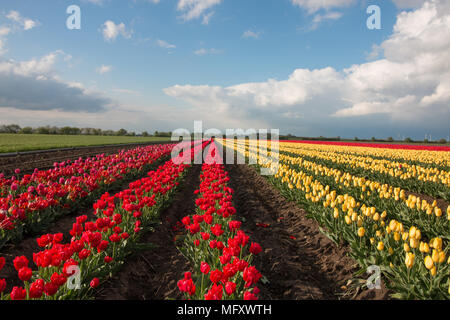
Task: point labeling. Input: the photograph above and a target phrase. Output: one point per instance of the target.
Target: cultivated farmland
(137, 223)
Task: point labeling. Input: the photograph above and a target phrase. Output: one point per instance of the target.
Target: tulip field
(380, 202)
(140, 223)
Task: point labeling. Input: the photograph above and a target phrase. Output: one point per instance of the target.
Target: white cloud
(111, 31)
(42, 89)
(203, 51)
(250, 34)
(328, 16)
(26, 23)
(313, 6)
(194, 9)
(410, 83)
(103, 69)
(165, 44)
(4, 31)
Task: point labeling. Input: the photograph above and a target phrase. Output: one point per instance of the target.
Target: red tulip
(255, 248)
(205, 268)
(2, 263)
(25, 274)
(230, 288)
(2, 285)
(18, 293)
(94, 283)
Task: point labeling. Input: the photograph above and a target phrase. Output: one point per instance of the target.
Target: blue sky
(304, 68)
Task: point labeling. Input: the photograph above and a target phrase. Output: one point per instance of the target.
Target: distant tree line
(14, 128)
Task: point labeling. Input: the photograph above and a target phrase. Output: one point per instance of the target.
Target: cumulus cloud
(194, 9)
(409, 84)
(111, 31)
(25, 23)
(33, 85)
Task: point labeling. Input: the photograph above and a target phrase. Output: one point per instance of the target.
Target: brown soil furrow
(297, 259)
(153, 274)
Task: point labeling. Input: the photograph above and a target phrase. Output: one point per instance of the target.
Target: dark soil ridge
(153, 274)
(298, 260)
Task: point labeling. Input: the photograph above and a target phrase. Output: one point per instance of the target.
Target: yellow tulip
(435, 256)
(433, 271)
(380, 246)
(412, 232)
(397, 236)
(437, 243)
(437, 211)
(417, 235)
(428, 262)
(413, 243)
(348, 220)
(409, 260)
(376, 216)
(361, 232)
(441, 257)
(406, 247)
(336, 213)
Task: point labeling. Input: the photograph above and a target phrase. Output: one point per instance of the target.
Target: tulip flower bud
(361, 232)
(441, 257)
(428, 262)
(435, 256)
(380, 246)
(409, 260)
(406, 247)
(433, 271)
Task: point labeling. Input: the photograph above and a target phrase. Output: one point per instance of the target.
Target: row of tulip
(385, 147)
(416, 267)
(427, 156)
(28, 204)
(98, 247)
(411, 210)
(220, 252)
(430, 180)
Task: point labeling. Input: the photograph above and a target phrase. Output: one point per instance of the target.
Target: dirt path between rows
(298, 260)
(153, 274)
